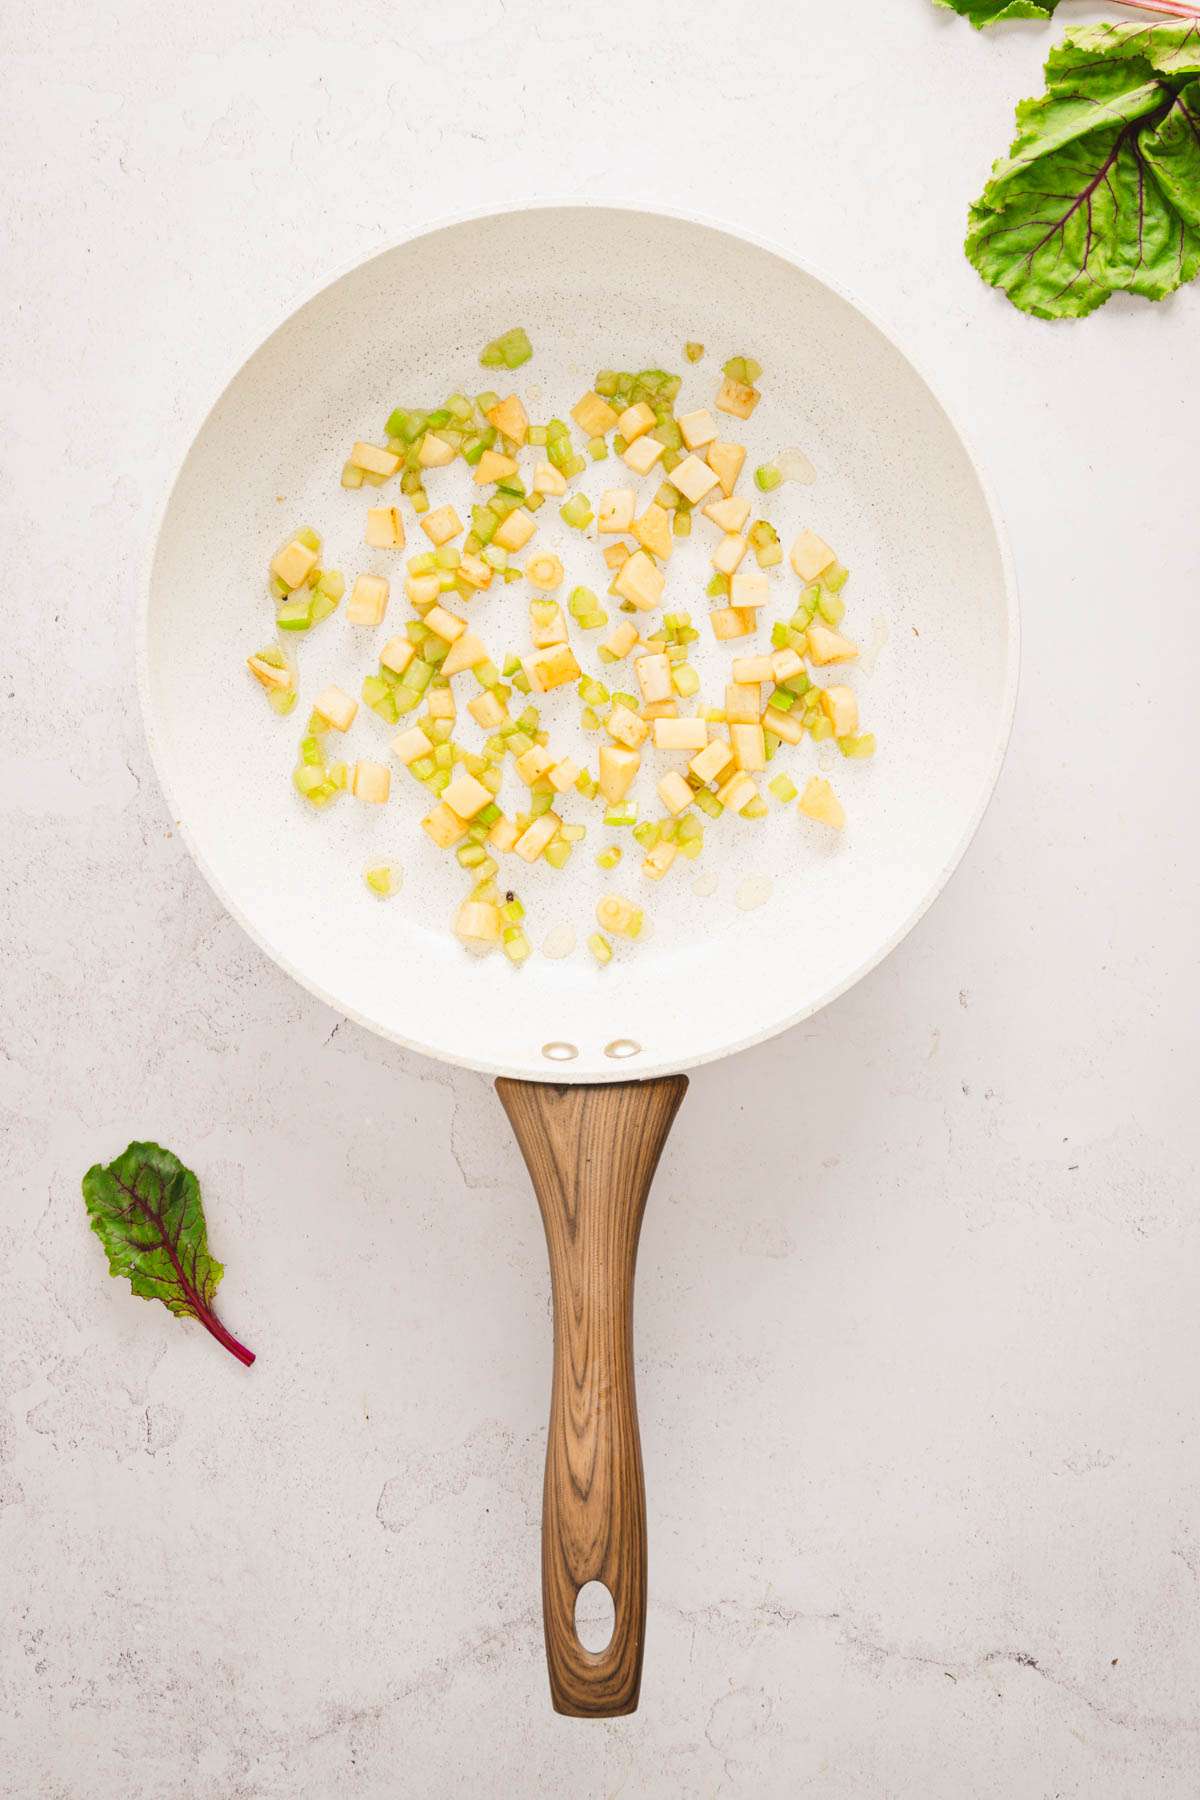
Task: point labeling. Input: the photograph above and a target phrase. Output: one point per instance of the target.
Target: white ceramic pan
(931, 597)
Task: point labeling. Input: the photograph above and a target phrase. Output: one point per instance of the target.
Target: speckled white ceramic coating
(896, 493)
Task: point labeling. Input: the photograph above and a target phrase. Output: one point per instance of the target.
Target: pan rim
(564, 1074)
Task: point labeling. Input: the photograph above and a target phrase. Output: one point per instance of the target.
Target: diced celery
(718, 587)
(282, 700)
(783, 789)
(830, 607)
(755, 809)
(508, 351)
(513, 911)
(624, 814)
(767, 476)
(743, 369)
(537, 436)
(577, 512)
(541, 803)
(647, 833)
(597, 449)
(471, 855)
(685, 680)
(821, 728)
(557, 852)
(608, 859)
(708, 803)
(858, 747)
(693, 351)
(782, 700)
(295, 615)
(600, 948)
(606, 383)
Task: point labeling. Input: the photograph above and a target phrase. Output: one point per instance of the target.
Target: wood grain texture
(591, 1153)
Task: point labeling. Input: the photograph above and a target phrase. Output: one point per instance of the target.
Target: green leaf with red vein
(996, 12)
(1101, 189)
(147, 1212)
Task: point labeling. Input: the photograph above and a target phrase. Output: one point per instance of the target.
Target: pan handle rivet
(560, 1052)
(621, 1047)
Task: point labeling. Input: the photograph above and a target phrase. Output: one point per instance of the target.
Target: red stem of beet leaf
(201, 1310)
(1168, 9)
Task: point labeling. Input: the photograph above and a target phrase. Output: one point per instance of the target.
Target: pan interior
(896, 494)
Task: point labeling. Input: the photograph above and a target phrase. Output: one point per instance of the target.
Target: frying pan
(588, 1060)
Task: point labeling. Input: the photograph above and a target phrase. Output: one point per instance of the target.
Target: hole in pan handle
(591, 1153)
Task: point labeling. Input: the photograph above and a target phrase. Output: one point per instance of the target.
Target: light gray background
(918, 1330)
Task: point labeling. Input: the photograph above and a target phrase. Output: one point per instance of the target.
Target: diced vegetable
(371, 781)
(810, 556)
(819, 802)
(508, 351)
(693, 351)
(577, 512)
(737, 398)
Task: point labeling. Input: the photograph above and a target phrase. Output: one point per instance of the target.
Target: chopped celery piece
(606, 383)
(600, 948)
(836, 578)
(621, 815)
(541, 803)
(282, 700)
(471, 855)
(423, 767)
(692, 849)
(685, 681)
(608, 859)
(784, 790)
(857, 746)
(782, 700)
(508, 351)
(577, 512)
(708, 803)
(537, 436)
(295, 615)
(647, 834)
(767, 476)
(516, 945)
(587, 785)
(821, 728)
(718, 587)
(382, 879)
(693, 351)
(574, 834)
(743, 369)
(557, 852)
(513, 911)
(597, 449)
(590, 719)
(831, 609)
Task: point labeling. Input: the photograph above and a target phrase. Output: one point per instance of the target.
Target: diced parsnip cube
(725, 460)
(293, 564)
(675, 793)
(654, 677)
(616, 554)
(680, 734)
(618, 766)
(749, 669)
(466, 652)
(546, 480)
(516, 530)
(547, 626)
(466, 796)
(693, 478)
(787, 726)
(738, 791)
(659, 859)
(544, 571)
(374, 460)
(749, 751)
(492, 466)
(730, 514)
(743, 703)
(368, 600)
(551, 668)
(439, 703)
(421, 590)
(396, 655)
(640, 581)
(269, 675)
(411, 745)
(337, 707)
(615, 512)
(635, 421)
(819, 802)
(785, 664)
(732, 622)
(510, 417)
(533, 763)
(563, 775)
(444, 825)
(749, 588)
(435, 452)
(659, 709)
(474, 571)
(441, 525)
(736, 398)
(642, 454)
(626, 728)
(503, 834)
(536, 836)
(478, 922)
(840, 706)
(653, 531)
(698, 428)
(826, 646)
(594, 416)
(487, 709)
(621, 639)
(446, 624)
(712, 762)
(371, 781)
(621, 916)
(729, 553)
(810, 556)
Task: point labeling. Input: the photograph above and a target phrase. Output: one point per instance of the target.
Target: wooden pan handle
(592, 1153)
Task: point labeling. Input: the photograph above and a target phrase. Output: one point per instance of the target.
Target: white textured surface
(917, 1327)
